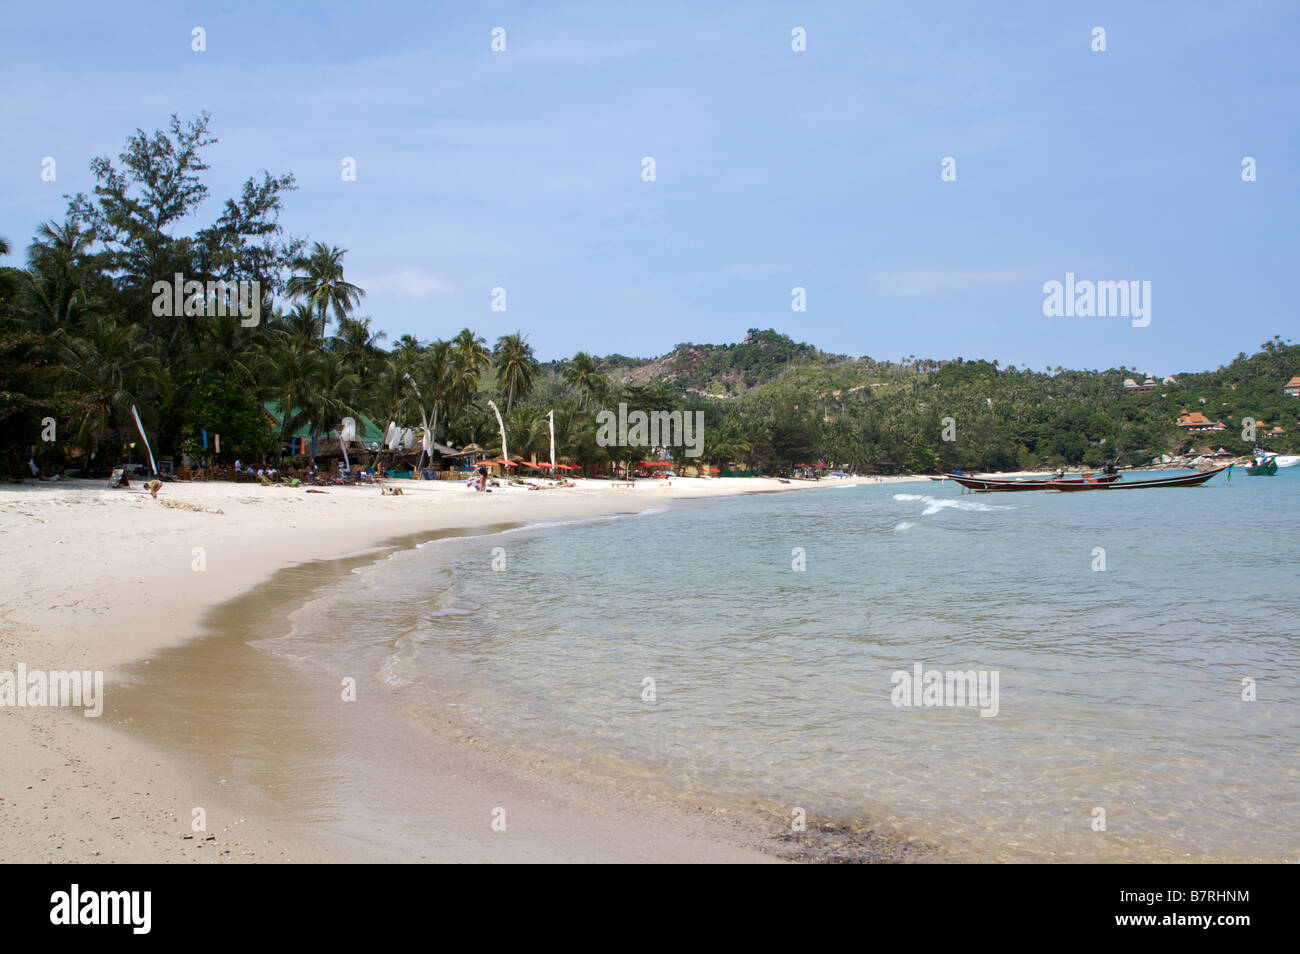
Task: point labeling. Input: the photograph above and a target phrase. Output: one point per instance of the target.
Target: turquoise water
(1117, 689)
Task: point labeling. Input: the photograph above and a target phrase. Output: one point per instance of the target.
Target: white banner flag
(153, 468)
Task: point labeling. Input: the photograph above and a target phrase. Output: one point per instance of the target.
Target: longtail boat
(999, 484)
(1181, 480)
(1265, 468)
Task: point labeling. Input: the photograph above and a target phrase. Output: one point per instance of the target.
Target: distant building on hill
(1195, 423)
(1292, 387)
(1132, 387)
(1262, 428)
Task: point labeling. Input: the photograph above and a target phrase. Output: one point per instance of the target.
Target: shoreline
(110, 790)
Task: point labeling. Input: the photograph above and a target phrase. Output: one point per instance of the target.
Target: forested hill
(881, 415)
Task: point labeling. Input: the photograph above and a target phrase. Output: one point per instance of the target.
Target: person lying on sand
(391, 491)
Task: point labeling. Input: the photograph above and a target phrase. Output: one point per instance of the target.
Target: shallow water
(1118, 689)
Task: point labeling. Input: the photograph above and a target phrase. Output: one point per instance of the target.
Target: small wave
(398, 669)
(903, 525)
(540, 525)
(548, 524)
(935, 504)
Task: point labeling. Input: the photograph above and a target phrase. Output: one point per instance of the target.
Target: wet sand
(281, 766)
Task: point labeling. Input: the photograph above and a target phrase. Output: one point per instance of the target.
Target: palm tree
(322, 286)
(394, 396)
(359, 345)
(470, 352)
(529, 432)
(104, 368)
(55, 276)
(227, 347)
(516, 366)
(330, 396)
(7, 279)
(299, 322)
(469, 358)
(583, 375)
(435, 379)
(294, 363)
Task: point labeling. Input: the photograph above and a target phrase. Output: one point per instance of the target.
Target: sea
(1094, 677)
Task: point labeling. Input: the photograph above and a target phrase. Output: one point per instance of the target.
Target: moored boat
(1179, 480)
(999, 484)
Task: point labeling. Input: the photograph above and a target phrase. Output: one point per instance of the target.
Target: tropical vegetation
(80, 346)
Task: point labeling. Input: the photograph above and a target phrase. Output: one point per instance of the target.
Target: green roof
(367, 431)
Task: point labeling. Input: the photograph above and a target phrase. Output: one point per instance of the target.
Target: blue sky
(775, 168)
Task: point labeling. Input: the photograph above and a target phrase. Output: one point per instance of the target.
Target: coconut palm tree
(470, 352)
(55, 275)
(469, 358)
(359, 347)
(8, 277)
(104, 367)
(583, 374)
(529, 432)
(293, 363)
(394, 397)
(298, 322)
(330, 396)
(226, 346)
(435, 379)
(516, 366)
(322, 286)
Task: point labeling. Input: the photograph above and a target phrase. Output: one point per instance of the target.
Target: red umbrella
(656, 463)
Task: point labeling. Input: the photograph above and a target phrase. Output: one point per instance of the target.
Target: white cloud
(406, 283)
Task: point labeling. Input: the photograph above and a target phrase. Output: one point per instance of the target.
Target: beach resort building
(397, 453)
(1196, 423)
(1132, 387)
(1292, 387)
(304, 441)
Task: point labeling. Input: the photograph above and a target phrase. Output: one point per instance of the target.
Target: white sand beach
(103, 579)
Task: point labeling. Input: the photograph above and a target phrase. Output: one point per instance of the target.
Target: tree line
(81, 344)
